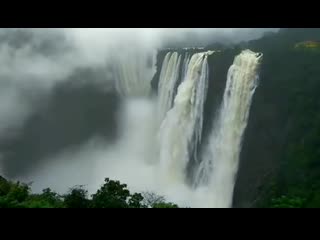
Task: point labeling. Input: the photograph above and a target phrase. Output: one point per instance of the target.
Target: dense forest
(112, 194)
(283, 138)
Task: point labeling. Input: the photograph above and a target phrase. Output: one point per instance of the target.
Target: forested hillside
(280, 163)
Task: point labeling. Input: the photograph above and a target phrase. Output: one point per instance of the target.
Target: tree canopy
(112, 194)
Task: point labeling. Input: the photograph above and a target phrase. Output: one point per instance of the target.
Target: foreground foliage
(112, 194)
(291, 82)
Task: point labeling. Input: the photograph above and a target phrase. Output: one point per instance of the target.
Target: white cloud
(87, 47)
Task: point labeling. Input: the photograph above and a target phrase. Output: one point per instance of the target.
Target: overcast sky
(51, 54)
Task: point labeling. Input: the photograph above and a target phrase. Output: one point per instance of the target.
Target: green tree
(77, 198)
(165, 205)
(112, 194)
(152, 200)
(136, 201)
(51, 197)
(288, 202)
(4, 186)
(14, 195)
(47, 199)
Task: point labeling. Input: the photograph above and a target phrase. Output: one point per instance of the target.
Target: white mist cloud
(128, 159)
(12, 108)
(96, 43)
(51, 55)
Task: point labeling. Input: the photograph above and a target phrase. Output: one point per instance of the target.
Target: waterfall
(131, 74)
(220, 162)
(167, 82)
(181, 128)
(185, 65)
(162, 139)
(163, 160)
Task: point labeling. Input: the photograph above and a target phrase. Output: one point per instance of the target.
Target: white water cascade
(219, 166)
(160, 163)
(168, 78)
(181, 129)
(132, 74)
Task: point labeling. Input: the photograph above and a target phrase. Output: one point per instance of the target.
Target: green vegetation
(112, 194)
(289, 99)
(287, 202)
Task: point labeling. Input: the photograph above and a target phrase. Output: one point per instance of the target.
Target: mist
(37, 63)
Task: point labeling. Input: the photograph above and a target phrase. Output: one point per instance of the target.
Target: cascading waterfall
(185, 65)
(220, 163)
(132, 74)
(182, 127)
(167, 81)
(161, 164)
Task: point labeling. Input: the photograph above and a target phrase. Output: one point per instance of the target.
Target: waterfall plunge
(181, 130)
(220, 162)
(182, 94)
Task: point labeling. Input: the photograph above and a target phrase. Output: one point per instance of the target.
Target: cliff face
(285, 101)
